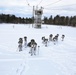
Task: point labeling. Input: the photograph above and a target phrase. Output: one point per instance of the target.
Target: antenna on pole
(37, 13)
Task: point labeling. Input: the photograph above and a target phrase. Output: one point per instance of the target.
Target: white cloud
(21, 7)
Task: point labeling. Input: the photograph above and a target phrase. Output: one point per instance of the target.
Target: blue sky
(23, 8)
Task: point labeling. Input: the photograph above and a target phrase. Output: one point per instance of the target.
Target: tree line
(61, 20)
(57, 20)
(7, 18)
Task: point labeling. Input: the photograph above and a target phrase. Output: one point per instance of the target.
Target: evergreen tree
(50, 20)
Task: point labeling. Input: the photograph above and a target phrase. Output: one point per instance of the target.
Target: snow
(59, 59)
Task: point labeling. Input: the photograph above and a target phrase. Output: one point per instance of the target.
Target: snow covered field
(59, 59)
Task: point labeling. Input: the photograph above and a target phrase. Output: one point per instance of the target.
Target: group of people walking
(32, 44)
(20, 43)
(52, 38)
